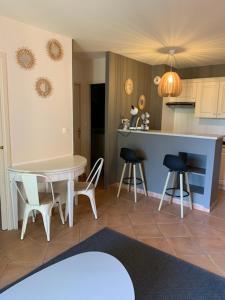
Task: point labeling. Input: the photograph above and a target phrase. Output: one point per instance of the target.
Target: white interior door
(5, 149)
(77, 118)
(2, 176)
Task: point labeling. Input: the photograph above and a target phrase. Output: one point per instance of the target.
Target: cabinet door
(188, 90)
(221, 102)
(184, 89)
(207, 99)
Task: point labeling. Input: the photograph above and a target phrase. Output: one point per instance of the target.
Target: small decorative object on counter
(125, 124)
(134, 117)
(145, 121)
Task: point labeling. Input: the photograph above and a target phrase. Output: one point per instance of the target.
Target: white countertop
(160, 132)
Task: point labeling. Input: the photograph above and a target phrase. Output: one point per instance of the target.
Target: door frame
(7, 222)
(74, 133)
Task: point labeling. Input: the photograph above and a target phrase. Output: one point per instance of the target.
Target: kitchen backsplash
(185, 121)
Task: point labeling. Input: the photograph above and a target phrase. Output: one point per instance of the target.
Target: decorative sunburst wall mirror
(55, 49)
(43, 87)
(141, 102)
(129, 86)
(25, 58)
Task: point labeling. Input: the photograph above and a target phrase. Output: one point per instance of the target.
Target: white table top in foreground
(52, 166)
(86, 276)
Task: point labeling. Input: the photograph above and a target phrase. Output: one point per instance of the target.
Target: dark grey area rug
(155, 274)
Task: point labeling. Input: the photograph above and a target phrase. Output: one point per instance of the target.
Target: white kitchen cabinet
(221, 100)
(222, 170)
(207, 99)
(189, 90)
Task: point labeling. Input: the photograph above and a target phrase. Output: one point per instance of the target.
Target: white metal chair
(87, 188)
(38, 201)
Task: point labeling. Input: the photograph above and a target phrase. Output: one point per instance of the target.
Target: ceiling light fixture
(170, 83)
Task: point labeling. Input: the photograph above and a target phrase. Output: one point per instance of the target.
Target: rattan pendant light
(170, 83)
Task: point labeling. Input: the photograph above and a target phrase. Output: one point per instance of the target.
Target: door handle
(1, 147)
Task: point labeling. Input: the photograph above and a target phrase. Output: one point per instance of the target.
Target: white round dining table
(66, 168)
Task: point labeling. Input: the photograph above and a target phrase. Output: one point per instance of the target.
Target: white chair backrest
(30, 184)
(93, 177)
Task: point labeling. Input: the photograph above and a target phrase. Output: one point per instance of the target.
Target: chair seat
(46, 198)
(81, 186)
(130, 156)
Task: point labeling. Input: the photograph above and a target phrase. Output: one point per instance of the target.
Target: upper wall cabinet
(207, 99)
(221, 100)
(210, 100)
(189, 90)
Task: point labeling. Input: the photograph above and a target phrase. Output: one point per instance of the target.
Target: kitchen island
(203, 152)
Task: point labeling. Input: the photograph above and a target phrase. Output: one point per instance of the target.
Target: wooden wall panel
(202, 72)
(118, 69)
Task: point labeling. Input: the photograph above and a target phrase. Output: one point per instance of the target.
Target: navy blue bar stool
(178, 167)
(131, 159)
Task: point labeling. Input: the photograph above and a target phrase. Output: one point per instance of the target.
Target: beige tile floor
(199, 238)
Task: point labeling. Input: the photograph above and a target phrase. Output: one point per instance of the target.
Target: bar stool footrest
(130, 180)
(186, 193)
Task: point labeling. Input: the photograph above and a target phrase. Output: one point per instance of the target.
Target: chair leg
(121, 179)
(76, 200)
(61, 212)
(25, 219)
(33, 215)
(93, 204)
(46, 221)
(66, 212)
(142, 178)
(188, 189)
(135, 183)
(129, 175)
(164, 190)
(181, 196)
(173, 186)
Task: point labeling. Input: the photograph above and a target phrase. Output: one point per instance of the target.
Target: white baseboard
(167, 198)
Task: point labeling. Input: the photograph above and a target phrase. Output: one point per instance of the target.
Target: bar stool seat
(131, 158)
(177, 166)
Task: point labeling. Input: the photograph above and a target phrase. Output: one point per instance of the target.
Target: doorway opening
(97, 122)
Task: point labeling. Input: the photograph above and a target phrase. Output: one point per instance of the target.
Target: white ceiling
(134, 28)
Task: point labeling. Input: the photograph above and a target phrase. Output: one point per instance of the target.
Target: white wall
(36, 123)
(98, 70)
(184, 120)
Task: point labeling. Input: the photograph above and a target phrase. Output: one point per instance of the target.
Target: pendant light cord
(171, 54)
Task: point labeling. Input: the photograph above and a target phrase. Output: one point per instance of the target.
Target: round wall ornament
(43, 87)
(25, 58)
(55, 49)
(129, 86)
(141, 102)
(157, 80)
